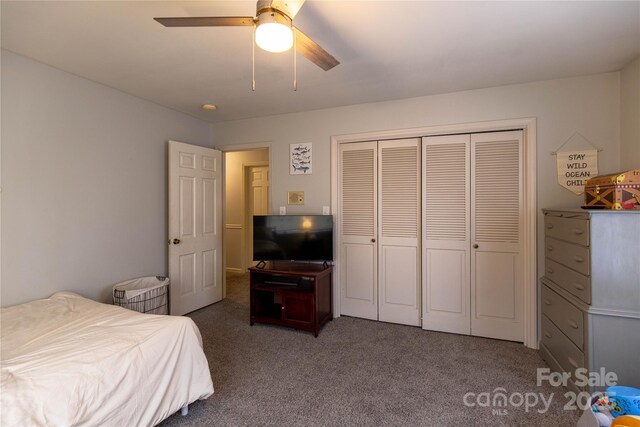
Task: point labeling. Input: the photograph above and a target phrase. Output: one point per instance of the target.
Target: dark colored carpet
(359, 373)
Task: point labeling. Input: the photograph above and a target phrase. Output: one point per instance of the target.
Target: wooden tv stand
(293, 294)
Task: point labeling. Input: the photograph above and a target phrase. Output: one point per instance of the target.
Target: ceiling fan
(274, 30)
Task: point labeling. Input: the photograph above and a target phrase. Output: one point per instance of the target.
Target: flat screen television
(293, 238)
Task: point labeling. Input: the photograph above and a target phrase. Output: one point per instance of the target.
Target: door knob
(475, 246)
(176, 241)
(373, 240)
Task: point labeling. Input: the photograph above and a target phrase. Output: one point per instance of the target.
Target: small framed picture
(300, 156)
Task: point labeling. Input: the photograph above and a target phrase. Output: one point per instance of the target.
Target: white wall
(234, 226)
(83, 182)
(630, 116)
(589, 105)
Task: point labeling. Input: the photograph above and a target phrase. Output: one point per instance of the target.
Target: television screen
(293, 237)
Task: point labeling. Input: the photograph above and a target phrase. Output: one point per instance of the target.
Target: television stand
(292, 294)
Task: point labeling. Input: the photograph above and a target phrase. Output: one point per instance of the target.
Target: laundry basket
(145, 294)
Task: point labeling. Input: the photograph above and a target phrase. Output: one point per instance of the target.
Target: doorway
(247, 193)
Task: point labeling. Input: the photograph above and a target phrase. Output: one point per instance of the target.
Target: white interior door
(258, 203)
(357, 182)
(195, 227)
(399, 231)
(497, 291)
(446, 279)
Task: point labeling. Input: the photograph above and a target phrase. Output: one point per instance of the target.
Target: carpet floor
(363, 373)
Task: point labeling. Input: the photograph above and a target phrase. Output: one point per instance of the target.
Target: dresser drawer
(569, 229)
(546, 355)
(563, 350)
(568, 254)
(567, 317)
(569, 280)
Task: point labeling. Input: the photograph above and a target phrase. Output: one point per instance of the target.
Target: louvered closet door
(446, 234)
(358, 230)
(399, 231)
(496, 229)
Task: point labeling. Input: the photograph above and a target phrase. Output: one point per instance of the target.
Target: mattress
(68, 360)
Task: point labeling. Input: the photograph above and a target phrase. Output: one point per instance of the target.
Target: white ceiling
(387, 49)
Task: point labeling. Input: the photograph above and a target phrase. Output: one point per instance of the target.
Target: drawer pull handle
(572, 323)
(578, 231)
(572, 362)
(578, 286)
(549, 248)
(549, 226)
(578, 258)
(549, 270)
(547, 334)
(547, 302)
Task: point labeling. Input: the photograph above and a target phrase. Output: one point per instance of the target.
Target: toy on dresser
(616, 191)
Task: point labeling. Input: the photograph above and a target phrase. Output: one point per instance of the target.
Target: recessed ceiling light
(209, 107)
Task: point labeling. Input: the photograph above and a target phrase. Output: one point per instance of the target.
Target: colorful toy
(625, 400)
(626, 421)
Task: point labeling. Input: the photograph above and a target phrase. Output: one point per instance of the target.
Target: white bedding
(67, 360)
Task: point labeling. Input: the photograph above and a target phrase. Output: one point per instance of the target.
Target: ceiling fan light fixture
(273, 31)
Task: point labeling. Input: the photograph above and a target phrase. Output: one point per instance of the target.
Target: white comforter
(67, 360)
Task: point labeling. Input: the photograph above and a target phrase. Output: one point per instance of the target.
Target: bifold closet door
(380, 230)
(399, 231)
(472, 234)
(358, 203)
(446, 236)
(497, 286)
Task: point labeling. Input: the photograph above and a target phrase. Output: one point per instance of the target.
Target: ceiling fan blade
(213, 21)
(313, 52)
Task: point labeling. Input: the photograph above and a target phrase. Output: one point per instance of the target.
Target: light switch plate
(326, 210)
(283, 210)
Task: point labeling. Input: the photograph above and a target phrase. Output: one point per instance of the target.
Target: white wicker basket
(145, 294)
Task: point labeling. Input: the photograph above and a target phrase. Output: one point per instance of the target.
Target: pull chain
(295, 63)
(253, 60)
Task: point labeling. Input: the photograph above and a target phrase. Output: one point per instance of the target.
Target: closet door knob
(373, 240)
(475, 246)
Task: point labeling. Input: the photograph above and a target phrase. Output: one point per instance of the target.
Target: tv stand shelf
(297, 295)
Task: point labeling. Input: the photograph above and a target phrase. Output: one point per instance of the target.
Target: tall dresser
(590, 293)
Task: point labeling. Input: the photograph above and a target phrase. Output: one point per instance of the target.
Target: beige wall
(589, 105)
(84, 195)
(630, 116)
(234, 162)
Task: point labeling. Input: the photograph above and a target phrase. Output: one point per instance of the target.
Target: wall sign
(575, 167)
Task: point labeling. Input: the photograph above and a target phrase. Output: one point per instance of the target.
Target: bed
(67, 360)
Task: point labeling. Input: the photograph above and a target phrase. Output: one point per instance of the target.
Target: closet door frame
(528, 126)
